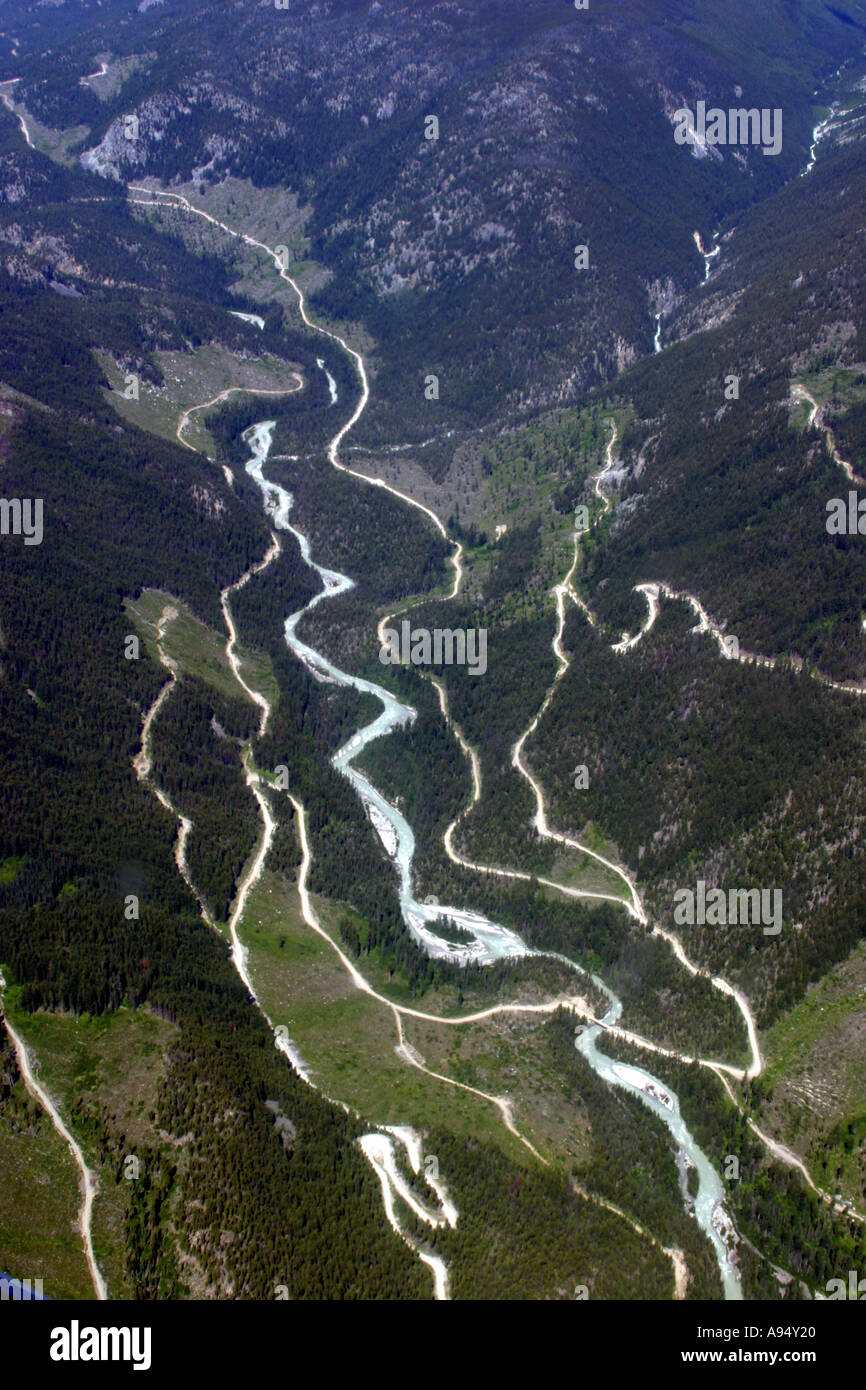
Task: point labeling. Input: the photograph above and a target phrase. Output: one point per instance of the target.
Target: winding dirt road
(88, 1185)
(562, 592)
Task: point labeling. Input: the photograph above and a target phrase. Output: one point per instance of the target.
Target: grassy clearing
(39, 1201)
(530, 465)
(190, 380)
(55, 143)
(272, 216)
(107, 84)
(574, 870)
(508, 1056)
(841, 387)
(816, 1069)
(346, 1038)
(111, 1065)
(499, 483)
(197, 649)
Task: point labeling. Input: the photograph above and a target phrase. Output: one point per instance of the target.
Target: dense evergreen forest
(80, 833)
(453, 261)
(772, 1204)
(748, 530)
(458, 253)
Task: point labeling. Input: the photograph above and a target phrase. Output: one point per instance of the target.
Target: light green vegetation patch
(270, 215)
(107, 84)
(508, 1056)
(525, 468)
(102, 1073)
(191, 380)
(347, 1039)
(816, 1075)
(197, 650)
(836, 387)
(39, 1199)
(575, 870)
(500, 482)
(55, 143)
(9, 869)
